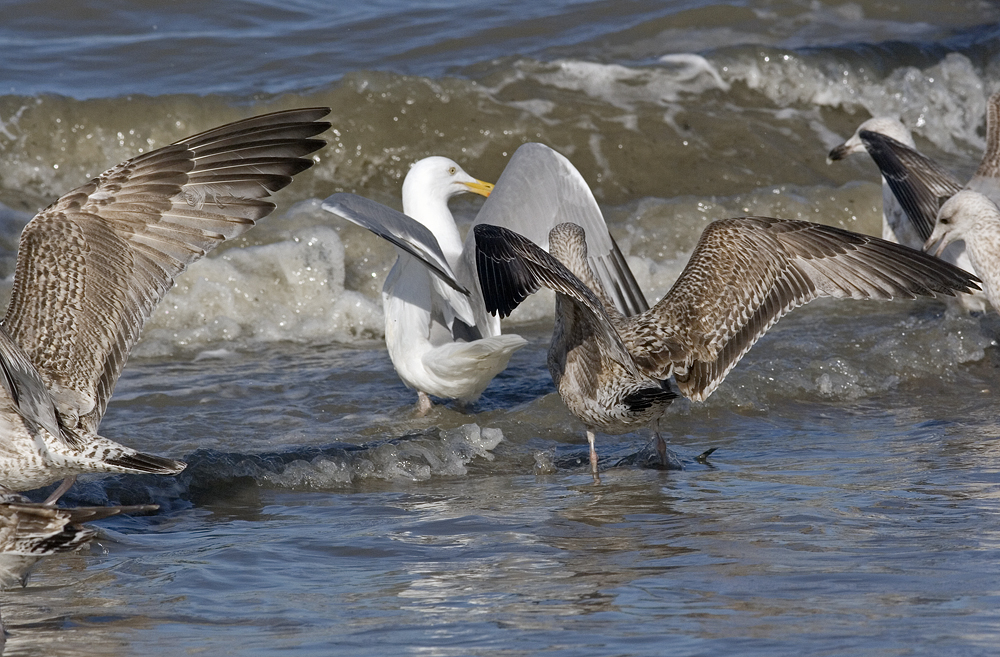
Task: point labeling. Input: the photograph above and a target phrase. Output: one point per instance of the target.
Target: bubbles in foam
(288, 290)
(944, 102)
(625, 87)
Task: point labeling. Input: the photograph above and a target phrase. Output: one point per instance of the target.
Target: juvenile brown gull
(92, 266)
(30, 531)
(745, 273)
(440, 338)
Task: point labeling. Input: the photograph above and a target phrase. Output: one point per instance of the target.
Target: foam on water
(288, 290)
(417, 457)
(943, 103)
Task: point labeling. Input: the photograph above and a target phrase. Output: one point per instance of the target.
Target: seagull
(971, 216)
(915, 187)
(91, 268)
(922, 186)
(440, 338)
(896, 225)
(430, 330)
(613, 372)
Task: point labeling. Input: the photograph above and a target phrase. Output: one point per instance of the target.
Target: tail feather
(146, 463)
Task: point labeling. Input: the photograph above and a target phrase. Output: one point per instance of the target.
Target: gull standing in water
(915, 187)
(30, 531)
(440, 338)
(974, 218)
(897, 225)
(431, 332)
(92, 266)
(924, 189)
(745, 273)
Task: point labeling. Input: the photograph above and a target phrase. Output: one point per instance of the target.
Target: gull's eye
(452, 171)
(944, 221)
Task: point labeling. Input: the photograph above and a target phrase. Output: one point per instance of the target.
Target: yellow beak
(480, 187)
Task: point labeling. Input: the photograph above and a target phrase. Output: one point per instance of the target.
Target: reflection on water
(819, 522)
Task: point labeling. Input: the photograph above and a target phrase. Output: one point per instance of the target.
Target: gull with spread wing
(440, 338)
(613, 371)
(916, 187)
(92, 266)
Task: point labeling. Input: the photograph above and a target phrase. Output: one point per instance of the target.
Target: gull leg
(661, 449)
(661, 445)
(424, 403)
(593, 457)
(66, 484)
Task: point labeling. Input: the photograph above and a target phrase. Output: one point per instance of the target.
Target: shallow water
(851, 505)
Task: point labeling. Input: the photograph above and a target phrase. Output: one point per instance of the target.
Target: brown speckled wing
(92, 266)
(746, 273)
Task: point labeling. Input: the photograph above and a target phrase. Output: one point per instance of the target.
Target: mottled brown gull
(439, 336)
(92, 266)
(745, 273)
(30, 531)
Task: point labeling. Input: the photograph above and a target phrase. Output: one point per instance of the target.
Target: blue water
(851, 506)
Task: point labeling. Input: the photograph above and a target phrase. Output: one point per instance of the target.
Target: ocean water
(852, 505)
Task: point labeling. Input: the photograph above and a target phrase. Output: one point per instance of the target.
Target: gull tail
(146, 463)
(463, 369)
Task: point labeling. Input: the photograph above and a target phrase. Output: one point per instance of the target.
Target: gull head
(881, 124)
(961, 215)
(436, 179)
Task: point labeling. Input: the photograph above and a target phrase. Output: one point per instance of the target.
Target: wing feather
(920, 185)
(92, 266)
(748, 272)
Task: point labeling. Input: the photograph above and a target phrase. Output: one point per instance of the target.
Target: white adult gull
(612, 371)
(440, 338)
(915, 187)
(92, 266)
(972, 217)
(431, 333)
(897, 225)
(923, 187)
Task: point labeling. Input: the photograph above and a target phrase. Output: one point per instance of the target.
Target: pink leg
(593, 457)
(59, 492)
(424, 403)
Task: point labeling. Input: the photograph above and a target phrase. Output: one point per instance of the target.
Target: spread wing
(25, 388)
(746, 273)
(414, 238)
(540, 189)
(920, 185)
(92, 266)
(398, 229)
(511, 267)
